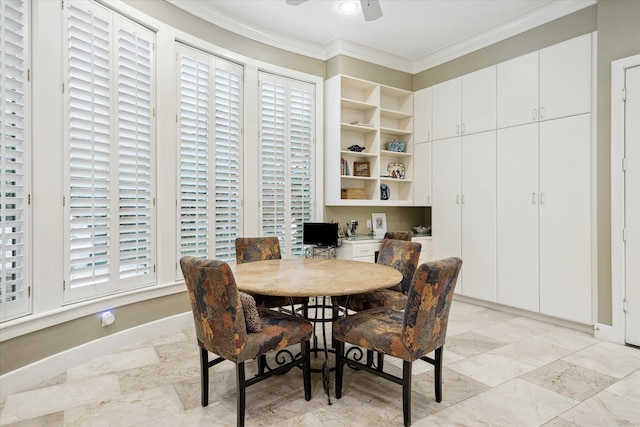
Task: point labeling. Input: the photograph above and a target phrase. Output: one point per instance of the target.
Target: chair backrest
(403, 256)
(216, 306)
(399, 235)
(249, 249)
(426, 313)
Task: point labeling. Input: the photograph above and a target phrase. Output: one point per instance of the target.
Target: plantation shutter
(15, 298)
(286, 143)
(209, 130)
(134, 68)
(227, 160)
(109, 163)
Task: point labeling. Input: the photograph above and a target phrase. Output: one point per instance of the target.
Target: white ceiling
(411, 36)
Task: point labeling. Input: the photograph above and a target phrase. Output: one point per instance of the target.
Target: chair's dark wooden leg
(339, 367)
(437, 378)
(406, 392)
(204, 376)
(240, 380)
(306, 368)
(380, 362)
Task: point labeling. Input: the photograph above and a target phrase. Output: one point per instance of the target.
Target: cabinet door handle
(457, 199)
(542, 112)
(533, 198)
(457, 129)
(541, 198)
(429, 200)
(534, 114)
(463, 128)
(428, 135)
(462, 198)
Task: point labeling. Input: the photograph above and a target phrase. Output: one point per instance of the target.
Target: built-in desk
(364, 248)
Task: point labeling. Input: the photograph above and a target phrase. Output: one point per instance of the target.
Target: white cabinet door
(446, 109)
(517, 87)
(445, 212)
(565, 230)
(565, 78)
(479, 101)
(422, 115)
(517, 217)
(422, 174)
(425, 252)
(479, 215)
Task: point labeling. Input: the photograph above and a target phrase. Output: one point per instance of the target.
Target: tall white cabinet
(511, 180)
(517, 213)
(565, 220)
(464, 215)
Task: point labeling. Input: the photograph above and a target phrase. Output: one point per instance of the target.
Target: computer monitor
(322, 234)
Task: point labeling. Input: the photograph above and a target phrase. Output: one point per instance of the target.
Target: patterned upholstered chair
(399, 235)
(250, 249)
(223, 317)
(404, 257)
(409, 335)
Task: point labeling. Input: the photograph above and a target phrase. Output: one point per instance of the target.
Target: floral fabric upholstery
(388, 298)
(414, 332)
(219, 318)
(399, 235)
(250, 249)
(404, 257)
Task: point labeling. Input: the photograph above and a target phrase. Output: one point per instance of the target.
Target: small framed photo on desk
(379, 221)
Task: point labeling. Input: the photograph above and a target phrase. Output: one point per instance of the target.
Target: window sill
(37, 321)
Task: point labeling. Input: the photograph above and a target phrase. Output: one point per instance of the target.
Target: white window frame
(14, 72)
(129, 258)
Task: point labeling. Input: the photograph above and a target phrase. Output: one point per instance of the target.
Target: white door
(632, 205)
(422, 174)
(517, 216)
(565, 78)
(517, 101)
(479, 215)
(479, 101)
(445, 115)
(422, 115)
(445, 210)
(565, 220)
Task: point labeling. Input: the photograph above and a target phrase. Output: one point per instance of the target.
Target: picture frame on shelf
(379, 221)
(362, 169)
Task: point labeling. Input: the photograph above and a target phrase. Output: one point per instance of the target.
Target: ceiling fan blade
(294, 2)
(371, 9)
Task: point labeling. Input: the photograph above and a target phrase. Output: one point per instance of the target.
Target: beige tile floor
(500, 370)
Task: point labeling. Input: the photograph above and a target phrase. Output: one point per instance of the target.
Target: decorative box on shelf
(353, 193)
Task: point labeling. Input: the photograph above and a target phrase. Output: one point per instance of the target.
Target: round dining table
(309, 277)
(314, 277)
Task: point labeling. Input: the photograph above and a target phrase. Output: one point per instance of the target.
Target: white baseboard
(608, 333)
(23, 378)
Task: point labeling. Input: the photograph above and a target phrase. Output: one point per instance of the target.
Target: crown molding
(523, 23)
(543, 15)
